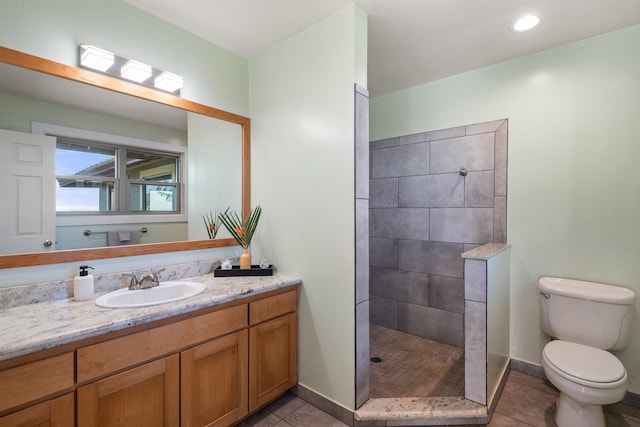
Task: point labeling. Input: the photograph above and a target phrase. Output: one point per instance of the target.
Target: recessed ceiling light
(525, 23)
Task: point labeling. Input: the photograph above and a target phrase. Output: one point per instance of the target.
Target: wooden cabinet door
(272, 359)
(214, 382)
(148, 395)
(58, 412)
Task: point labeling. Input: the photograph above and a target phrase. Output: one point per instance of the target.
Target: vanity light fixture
(106, 62)
(525, 23)
(95, 58)
(168, 81)
(136, 71)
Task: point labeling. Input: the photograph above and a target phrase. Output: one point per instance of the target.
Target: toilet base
(570, 413)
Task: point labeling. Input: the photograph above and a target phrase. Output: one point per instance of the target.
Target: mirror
(159, 106)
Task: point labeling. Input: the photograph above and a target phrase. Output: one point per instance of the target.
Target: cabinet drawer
(271, 307)
(58, 412)
(119, 353)
(35, 380)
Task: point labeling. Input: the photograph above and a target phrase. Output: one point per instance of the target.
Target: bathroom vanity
(209, 360)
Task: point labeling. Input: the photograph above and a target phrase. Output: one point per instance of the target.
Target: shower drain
(376, 359)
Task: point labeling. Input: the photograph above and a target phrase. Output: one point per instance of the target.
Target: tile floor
(525, 401)
(291, 411)
(531, 401)
(412, 366)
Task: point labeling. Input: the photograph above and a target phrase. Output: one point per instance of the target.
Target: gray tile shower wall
(423, 214)
(361, 166)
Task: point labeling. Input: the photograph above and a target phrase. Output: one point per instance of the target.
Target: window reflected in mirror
(153, 181)
(86, 177)
(98, 178)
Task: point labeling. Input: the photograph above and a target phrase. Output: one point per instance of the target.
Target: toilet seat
(584, 365)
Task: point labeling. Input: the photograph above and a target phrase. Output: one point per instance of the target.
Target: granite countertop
(29, 328)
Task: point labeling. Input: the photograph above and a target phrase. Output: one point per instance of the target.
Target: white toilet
(584, 319)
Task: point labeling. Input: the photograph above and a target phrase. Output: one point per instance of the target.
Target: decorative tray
(255, 270)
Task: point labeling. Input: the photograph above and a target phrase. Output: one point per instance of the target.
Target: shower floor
(413, 366)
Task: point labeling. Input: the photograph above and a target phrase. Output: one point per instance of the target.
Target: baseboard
(493, 402)
(535, 370)
(632, 399)
(528, 368)
(324, 404)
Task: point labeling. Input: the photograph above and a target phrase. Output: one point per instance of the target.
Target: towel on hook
(122, 237)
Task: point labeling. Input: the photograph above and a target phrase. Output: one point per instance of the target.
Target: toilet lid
(584, 362)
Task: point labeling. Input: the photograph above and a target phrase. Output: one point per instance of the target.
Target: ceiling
(410, 42)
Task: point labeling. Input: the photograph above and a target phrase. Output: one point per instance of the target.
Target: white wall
(302, 97)
(573, 185)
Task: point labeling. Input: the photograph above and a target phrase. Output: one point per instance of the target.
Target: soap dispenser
(83, 285)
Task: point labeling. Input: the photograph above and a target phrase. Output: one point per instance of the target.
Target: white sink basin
(165, 293)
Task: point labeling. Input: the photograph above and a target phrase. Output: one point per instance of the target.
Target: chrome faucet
(148, 281)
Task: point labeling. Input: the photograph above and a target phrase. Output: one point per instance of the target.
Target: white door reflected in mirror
(27, 222)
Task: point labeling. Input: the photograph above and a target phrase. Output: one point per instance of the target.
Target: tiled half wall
(424, 214)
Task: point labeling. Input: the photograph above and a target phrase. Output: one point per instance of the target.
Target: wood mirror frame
(35, 63)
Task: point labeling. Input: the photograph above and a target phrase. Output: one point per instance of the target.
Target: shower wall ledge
(486, 251)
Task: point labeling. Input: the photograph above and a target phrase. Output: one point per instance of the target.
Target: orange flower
(211, 224)
(241, 228)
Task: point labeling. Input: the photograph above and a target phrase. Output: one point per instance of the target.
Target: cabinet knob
(47, 243)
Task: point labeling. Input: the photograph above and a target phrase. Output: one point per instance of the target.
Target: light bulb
(525, 23)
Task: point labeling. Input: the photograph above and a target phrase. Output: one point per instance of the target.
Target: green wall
(216, 150)
(573, 187)
(302, 109)
(17, 113)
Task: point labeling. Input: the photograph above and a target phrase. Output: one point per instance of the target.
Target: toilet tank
(587, 313)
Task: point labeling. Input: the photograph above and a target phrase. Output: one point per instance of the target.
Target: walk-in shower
(432, 197)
